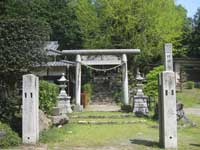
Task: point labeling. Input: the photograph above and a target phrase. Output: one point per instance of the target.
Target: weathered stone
(44, 121)
(140, 100)
(78, 80)
(59, 120)
(125, 80)
(63, 99)
(30, 109)
(78, 108)
(167, 103)
(56, 111)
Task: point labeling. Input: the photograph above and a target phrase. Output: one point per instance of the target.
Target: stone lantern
(59, 113)
(140, 100)
(63, 98)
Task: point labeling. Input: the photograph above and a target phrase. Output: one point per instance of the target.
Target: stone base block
(60, 120)
(69, 109)
(56, 111)
(78, 108)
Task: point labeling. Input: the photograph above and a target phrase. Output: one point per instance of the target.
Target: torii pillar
(78, 107)
(125, 80)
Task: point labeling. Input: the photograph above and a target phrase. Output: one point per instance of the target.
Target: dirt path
(107, 107)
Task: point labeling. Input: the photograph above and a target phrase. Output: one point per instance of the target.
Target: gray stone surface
(30, 109)
(168, 57)
(78, 80)
(140, 100)
(60, 120)
(167, 103)
(125, 80)
(78, 108)
(44, 121)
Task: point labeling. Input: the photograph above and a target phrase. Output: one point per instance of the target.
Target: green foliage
(131, 24)
(151, 87)
(189, 85)
(10, 139)
(48, 96)
(189, 97)
(87, 88)
(21, 44)
(113, 135)
(194, 38)
(59, 14)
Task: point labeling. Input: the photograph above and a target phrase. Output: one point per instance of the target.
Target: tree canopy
(131, 24)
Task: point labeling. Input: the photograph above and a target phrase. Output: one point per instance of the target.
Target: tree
(21, 47)
(194, 38)
(131, 24)
(59, 14)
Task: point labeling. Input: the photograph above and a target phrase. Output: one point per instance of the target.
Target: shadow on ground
(144, 142)
(197, 145)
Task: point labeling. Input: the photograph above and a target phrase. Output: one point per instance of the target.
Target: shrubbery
(8, 137)
(48, 96)
(189, 85)
(87, 88)
(151, 87)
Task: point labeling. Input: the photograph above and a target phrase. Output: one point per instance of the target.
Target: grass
(138, 136)
(189, 97)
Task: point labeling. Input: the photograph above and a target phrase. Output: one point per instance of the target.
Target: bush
(87, 88)
(189, 85)
(151, 87)
(8, 137)
(48, 96)
(197, 85)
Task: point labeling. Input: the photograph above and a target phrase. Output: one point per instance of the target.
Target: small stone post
(125, 80)
(167, 103)
(30, 109)
(78, 106)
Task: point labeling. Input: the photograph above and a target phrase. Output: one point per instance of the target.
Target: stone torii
(122, 52)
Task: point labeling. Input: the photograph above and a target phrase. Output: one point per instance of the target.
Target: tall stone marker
(30, 109)
(167, 103)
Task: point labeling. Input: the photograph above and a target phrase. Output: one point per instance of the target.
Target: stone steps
(102, 116)
(95, 122)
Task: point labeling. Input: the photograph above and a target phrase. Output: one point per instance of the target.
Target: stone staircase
(102, 93)
(100, 119)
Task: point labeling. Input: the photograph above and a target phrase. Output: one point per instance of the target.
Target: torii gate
(122, 52)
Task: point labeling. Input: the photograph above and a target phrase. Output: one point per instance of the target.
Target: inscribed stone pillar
(167, 103)
(78, 106)
(125, 80)
(30, 109)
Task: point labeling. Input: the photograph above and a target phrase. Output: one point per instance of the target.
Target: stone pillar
(125, 80)
(78, 106)
(30, 109)
(167, 103)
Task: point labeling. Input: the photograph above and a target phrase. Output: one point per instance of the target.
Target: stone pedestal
(78, 108)
(140, 105)
(30, 109)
